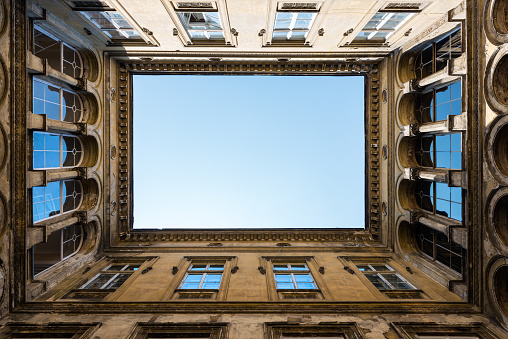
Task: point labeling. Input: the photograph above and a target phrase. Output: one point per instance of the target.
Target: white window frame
(60, 103)
(61, 183)
(60, 151)
(381, 273)
(204, 272)
(180, 30)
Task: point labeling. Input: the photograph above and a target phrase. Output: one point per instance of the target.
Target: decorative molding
(4, 79)
(124, 175)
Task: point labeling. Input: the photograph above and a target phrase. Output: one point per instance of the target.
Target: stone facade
(451, 262)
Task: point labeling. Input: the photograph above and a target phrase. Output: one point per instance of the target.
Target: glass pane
(213, 278)
(298, 267)
(286, 286)
(364, 268)
(377, 281)
(193, 278)
(187, 285)
(118, 281)
(115, 268)
(381, 268)
(280, 267)
(283, 278)
(198, 267)
(132, 267)
(303, 278)
(305, 285)
(397, 282)
(98, 281)
(216, 267)
(210, 286)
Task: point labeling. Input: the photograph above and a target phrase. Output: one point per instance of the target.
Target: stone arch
(406, 152)
(496, 21)
(91, 151)
(92, 108)
(405, 67)
(496, 81)
(496, 148)
(497, 218)
(406, 195)
(91, 194)
(497, 287)
(407, 107)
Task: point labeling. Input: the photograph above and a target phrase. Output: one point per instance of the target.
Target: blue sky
(214, 151)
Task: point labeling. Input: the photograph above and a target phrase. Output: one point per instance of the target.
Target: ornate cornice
(291, 66)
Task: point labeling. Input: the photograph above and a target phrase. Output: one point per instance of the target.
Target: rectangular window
(55, 198)
(293, 277)
(57, 103)
(440, 151)
(109, 276)
(292, 25)
(203, 277)
(60, 56)
(435, 57)
(112, 277)
(202, 25)
(383, 277)
(439, 248)
(382, 25)
(440, 199)
(112, 23)
(439, 103)
(52, 150)
(50, 330)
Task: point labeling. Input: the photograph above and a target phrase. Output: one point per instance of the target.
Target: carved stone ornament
(147, 31)
(321, 32)
(194, 5)
(262, 269)
(262, 32)
(234, 32)
(349, 31)
(234, 270)
(175, 32)
(299, 5)
(174, 270)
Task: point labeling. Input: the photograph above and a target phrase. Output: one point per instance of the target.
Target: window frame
(62, 243)
(219, 6)
(433, 198)
(278, 330)
(75, 330)
(215, 330)
(181, 270)
(433, 47)
(319, 293)
(351, 264)
(379, 28)
(314, 29)
(204, 273)
(61, 106)
(434, 242)
(61, 53)
(61, 198)
(78, 292)
(290, 272)
(61, 152)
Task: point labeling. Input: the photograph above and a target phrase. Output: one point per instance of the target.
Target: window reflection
(435, 57)
(60, 56)
(60, 245)
(439, 103)
(382, 25)
(203, 277)
(439, 151)
(439, 198)
(202, 25)
(112, 23)
(293, 277)
(435, 245)
(292, 25)
(51, 150)
(55, 198)
(57, 103)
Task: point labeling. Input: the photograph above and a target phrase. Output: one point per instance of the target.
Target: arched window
(439, 198)
(56, 198)
(60, 245)
(435, 57)
(436, 246)
(437, 104)
(53, 150)
(57, 103)
(60, 56)
(439, 151)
